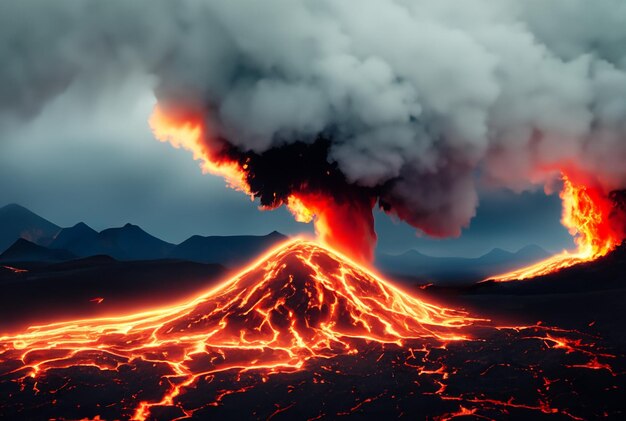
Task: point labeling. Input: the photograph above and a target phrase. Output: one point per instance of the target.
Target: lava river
(304, 333)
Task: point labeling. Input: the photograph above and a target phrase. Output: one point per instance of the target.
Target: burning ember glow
(586, 214)
(302, 318)
(14, 270)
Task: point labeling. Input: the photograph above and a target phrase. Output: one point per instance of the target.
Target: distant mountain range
(18, 222)
(27, 237)
(27, 251)
(125, 243)
(414, 264)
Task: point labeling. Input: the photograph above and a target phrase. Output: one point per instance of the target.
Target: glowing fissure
(586, 215)
(301, 301)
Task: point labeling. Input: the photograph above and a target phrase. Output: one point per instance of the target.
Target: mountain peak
(532, 248)
(82, 226)
(27, 251)
(497, 252)
(13, 207)
(16, 221)
(128, 225)
(306, 296)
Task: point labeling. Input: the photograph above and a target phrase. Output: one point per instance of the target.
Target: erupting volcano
(302, 301)
(303, 105)
(298, 317)
(297, 176)
(592, 218)
(301, 177)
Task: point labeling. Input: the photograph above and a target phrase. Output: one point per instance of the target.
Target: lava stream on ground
(304, 333)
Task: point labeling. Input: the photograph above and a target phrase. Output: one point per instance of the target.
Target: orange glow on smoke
(346, 226)
(188, 132)
(300, 301)
(586, 216)
(299, 210)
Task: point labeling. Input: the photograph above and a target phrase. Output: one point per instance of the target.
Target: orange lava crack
(274, 316)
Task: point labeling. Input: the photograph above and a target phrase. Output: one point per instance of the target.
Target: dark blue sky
(97, 162)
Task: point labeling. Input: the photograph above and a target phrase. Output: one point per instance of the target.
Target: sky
(94, 159)
(454, 116)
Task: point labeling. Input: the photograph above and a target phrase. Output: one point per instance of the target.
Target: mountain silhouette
(25, 251)
(457, 269)
(18, 222)
(231, 250)
(75, 238)
(129, 242)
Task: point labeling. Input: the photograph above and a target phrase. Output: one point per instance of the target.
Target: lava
(303, 323)
(586, 215)
(301, 301)
(14, 269)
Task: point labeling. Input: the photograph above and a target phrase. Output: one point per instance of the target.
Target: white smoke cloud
(423, 98)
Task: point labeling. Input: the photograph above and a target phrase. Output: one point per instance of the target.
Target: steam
(419, 100)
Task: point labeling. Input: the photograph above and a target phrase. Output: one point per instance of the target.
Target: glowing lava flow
(586, 216)
(300, 302)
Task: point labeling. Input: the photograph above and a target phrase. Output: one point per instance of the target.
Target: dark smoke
(411, 102)
(297, 167)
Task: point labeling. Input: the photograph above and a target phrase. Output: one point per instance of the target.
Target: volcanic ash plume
(333, 107)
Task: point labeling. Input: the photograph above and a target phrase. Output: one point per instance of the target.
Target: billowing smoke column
(332, 107)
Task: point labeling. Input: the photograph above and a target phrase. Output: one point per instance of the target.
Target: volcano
(285, 337)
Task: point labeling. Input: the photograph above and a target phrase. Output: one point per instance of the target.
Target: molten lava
(586, 215)
(303, 333)
(302, 301)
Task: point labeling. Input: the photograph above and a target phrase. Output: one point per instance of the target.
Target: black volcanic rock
(228, 251)
(450, 270)
(18, 222)
(65, 290)
(25, 251)
(279, 342)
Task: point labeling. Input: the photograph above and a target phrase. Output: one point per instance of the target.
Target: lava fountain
(587, 216)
